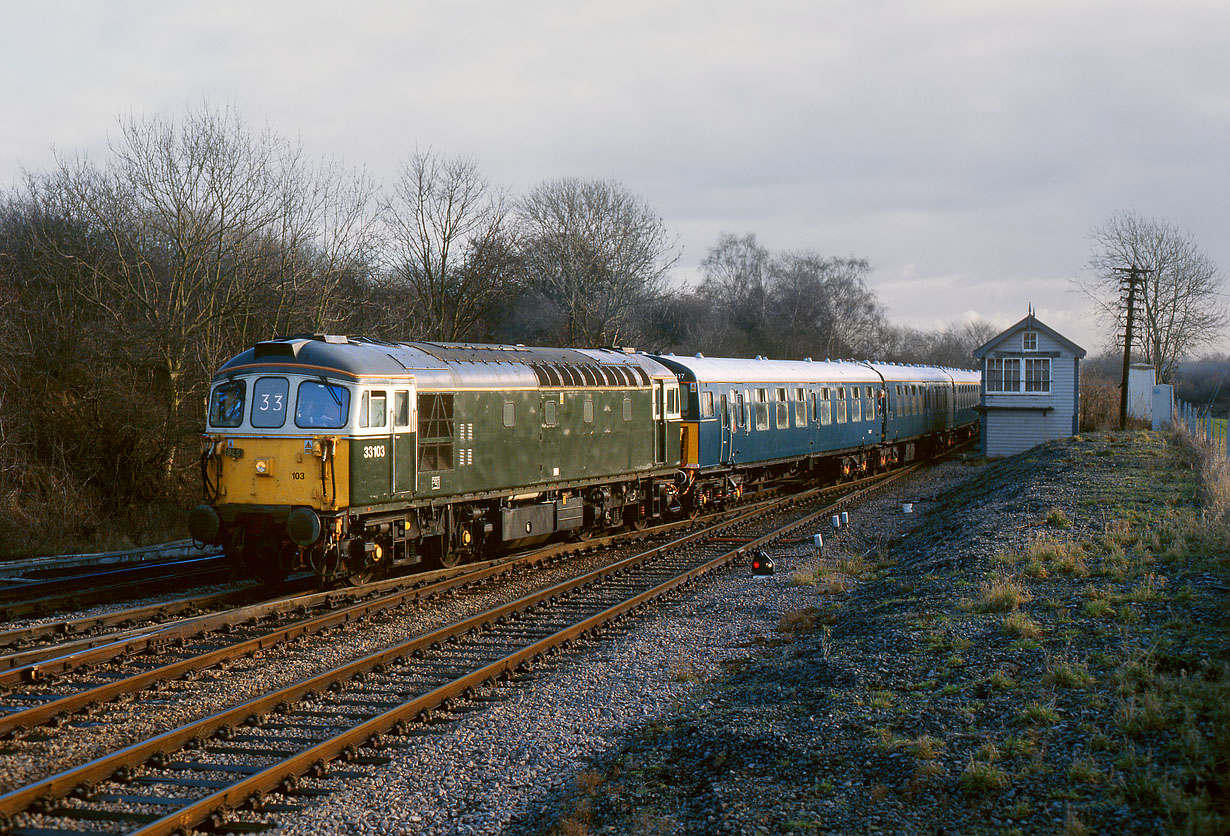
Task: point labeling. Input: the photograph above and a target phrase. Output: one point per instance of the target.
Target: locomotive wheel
(359, 578)
(436, 556)
(265, 563)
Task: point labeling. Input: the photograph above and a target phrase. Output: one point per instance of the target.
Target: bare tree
(1181, 306)
(735, 272)
(594, 251)
(822, 306)
(445, 235)
(196, 232)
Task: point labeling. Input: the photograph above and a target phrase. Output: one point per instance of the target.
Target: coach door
(724, 417)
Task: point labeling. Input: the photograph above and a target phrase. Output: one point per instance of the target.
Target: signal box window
(1029, 341)
(436, 431)
(1004, 375)
(226, 405)
(1038, 375)
(269, 402)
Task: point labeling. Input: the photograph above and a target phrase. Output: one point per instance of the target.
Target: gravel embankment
(520, 758)
(881, 690)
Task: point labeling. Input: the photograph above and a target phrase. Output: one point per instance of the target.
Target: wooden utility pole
(1135, 276)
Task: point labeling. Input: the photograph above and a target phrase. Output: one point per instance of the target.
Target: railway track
(85, 586)
(202, 771)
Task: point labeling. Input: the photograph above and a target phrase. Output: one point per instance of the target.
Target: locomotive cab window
(706, 404)
(324, 406)
(672, 401)
(373, 409)
(269, 402)
(226, 404)
(548, 413)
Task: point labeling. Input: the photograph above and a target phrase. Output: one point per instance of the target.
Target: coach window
(269, 402)
(226, 405)
(856, 405)
(706, 404)
(826, 407)
(782, 409)
(762, 409)
(800, 408)
(841, 404)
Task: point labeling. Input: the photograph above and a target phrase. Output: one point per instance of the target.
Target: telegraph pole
(1134, 278)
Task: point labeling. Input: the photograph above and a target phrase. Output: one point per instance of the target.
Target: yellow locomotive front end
(275, 469)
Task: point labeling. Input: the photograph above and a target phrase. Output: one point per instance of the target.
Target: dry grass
(1003, 593)
(1021, 626)
(982, 777)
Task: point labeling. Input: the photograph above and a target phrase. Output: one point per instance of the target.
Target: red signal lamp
(762, 564)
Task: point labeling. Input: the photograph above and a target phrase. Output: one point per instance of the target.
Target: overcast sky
(965, 149)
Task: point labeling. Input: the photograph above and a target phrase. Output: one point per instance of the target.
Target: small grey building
(1031, 387)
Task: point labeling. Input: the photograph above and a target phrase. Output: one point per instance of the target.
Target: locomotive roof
(446, 365)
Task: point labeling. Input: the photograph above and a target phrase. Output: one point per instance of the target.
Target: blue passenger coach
(754, 421)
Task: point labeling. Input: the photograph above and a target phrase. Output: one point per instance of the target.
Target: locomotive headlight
(264, 467)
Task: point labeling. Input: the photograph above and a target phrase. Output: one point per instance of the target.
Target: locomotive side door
(659, 419)
(405, 424)
(372, 455)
